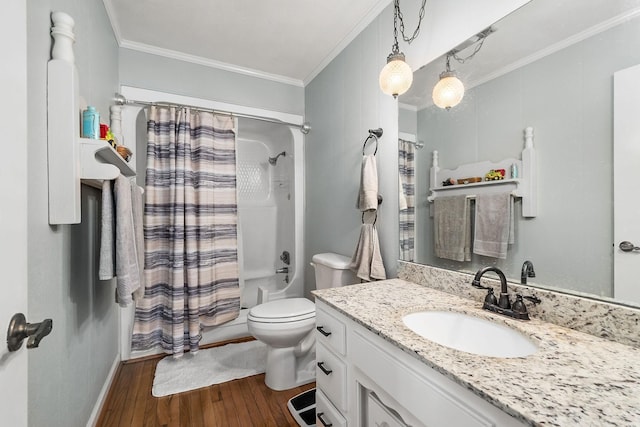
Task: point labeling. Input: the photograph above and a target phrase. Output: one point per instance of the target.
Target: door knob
(628, 246)
(19, 329)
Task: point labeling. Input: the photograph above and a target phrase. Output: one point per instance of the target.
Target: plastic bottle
(91, 123)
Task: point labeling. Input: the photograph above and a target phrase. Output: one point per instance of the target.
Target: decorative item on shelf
(396, 77)
(91, 123)
(449, 181)
(495, 175)
(469, 180)
(103, 131)
(124, 152)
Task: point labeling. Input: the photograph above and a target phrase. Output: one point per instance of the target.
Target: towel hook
(375, 218)
(375, 134)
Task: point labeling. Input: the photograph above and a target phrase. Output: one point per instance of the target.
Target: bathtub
(270, 210)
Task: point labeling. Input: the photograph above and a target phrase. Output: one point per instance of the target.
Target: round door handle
(628, 246)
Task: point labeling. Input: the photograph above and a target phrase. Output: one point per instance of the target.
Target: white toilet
(286, 326)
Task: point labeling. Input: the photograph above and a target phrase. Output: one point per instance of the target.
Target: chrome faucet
(527, 271)
(284, 270)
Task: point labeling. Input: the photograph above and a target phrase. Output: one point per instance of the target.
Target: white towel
(368, 192)
(107, 249)
(494, 225)
(452, 228)
(129, 267)
(367, 259)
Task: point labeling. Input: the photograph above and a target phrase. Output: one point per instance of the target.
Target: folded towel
(368, 192)
(494, 225)
(128, 264)
(367, 259)
(452, 228)
(107, 249)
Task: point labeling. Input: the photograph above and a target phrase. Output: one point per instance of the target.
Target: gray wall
(69, 369)
(571, 240)
(345, 100)
(154, 72)
(407, 120)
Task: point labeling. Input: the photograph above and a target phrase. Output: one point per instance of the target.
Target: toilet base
(279, 374)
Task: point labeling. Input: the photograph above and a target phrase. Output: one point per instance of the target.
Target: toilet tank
(332, 270)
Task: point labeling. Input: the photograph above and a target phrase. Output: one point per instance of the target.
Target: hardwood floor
(247, 402)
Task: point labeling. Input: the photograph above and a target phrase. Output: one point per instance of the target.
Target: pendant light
(396, 77)
(449, 90)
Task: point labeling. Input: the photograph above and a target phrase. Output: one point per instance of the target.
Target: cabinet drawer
(378, 415)
(331, 376)
(326, 414)
(330, 332)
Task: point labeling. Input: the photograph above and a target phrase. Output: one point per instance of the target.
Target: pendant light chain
(398, 15)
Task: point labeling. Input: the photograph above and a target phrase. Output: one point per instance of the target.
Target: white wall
(344, 101)
(69, 369)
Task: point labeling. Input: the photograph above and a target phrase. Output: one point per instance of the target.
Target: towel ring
(375, 134)
(367, 140)
(375, 218)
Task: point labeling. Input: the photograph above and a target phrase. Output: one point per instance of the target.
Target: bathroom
(63, 382)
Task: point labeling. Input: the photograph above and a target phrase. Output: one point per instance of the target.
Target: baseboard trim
(104, 392)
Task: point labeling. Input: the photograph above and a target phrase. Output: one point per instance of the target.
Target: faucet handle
(534, 299)
(518, 305)
(490, 298)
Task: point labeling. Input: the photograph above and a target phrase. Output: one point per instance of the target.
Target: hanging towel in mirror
(368, 191)
(494, 226)
(452, 228)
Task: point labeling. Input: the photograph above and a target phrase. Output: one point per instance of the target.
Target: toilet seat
(283, 311)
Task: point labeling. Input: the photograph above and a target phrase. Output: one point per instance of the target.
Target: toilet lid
(283, 310)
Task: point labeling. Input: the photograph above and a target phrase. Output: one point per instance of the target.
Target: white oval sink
(469, 333)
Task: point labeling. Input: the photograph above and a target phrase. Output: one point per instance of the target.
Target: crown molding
(563, 44)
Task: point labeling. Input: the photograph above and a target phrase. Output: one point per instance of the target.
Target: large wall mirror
(549, 65)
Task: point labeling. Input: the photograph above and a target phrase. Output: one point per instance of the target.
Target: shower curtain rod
(418, 145)
(121, 100)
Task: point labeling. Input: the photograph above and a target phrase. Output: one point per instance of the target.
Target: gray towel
(452, 228)
(494, 225)
(368, 191)
(367, 259)
(107, 249)
(129, 268)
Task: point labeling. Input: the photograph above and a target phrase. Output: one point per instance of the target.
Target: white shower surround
(282, 199)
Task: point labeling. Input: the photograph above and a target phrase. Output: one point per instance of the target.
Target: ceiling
(537, 29)
(282, 40)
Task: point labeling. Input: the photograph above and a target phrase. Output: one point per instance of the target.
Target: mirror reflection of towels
(494, 226)
(452, 228)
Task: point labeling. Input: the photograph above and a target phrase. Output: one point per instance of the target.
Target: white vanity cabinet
(377, 384)
(331, 369)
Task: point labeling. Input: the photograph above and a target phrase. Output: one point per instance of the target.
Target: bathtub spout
(274, 160)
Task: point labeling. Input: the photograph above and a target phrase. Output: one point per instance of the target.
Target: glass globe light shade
(449, 91)
(396, 77)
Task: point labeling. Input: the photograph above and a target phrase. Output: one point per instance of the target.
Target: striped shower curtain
(406, 156)
(190, 230)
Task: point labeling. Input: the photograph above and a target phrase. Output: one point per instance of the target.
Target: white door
(13, 208)
(626, 195)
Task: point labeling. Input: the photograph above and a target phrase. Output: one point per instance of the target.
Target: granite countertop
(574, 379)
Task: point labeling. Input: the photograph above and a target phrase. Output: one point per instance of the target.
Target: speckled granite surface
(602, 319)
(574, 379)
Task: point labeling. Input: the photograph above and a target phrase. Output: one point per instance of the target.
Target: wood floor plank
(246, 402)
